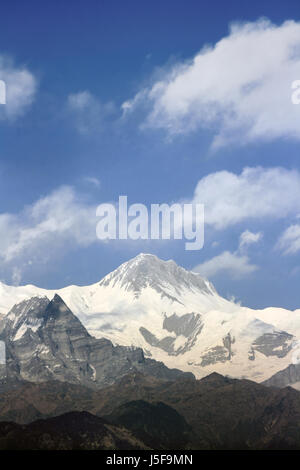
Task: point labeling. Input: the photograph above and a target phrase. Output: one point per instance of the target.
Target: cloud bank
(240, 87)
(234, 264)
(255, 193)
(53, 224)
(64, 219)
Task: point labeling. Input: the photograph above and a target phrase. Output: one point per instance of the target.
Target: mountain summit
(147, 270)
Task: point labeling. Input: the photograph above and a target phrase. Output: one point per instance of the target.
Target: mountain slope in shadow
(71, 431)
(158, 425)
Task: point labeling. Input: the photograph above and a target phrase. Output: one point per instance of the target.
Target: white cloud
(233, 264)
(81, 100)
(88, 113)
(52, 225)
(16, 276)
(248, 238)
(289, 241)
(255, 193)
(92, 180)
(240, 87)
(236, 264)
(21, 86)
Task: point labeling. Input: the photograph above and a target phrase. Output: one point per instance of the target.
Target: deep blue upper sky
(112, 49)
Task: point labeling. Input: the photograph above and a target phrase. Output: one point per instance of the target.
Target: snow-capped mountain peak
(146, 270)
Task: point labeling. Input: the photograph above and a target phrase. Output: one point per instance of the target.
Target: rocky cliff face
(46, 341)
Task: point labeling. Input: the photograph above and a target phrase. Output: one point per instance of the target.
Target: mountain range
(141, 412)
(175, 316)
(64, 388)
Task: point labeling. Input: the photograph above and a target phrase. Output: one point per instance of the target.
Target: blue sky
(68, 143)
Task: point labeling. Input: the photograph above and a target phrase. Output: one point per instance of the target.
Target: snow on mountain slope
(177, 317)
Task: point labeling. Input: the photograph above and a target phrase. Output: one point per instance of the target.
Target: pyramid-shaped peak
(141, 256)
(152, 260)
(147, 270)
(216, 379)
(57, 307)
(58, 300)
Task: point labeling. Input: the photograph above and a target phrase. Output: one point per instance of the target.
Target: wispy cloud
(249, 238)
(240, 88)
(16, 275)
(53, 225)
(92, 180)
(88, 113)
(289, 241)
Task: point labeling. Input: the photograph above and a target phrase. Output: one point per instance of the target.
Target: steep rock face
(46, 341)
